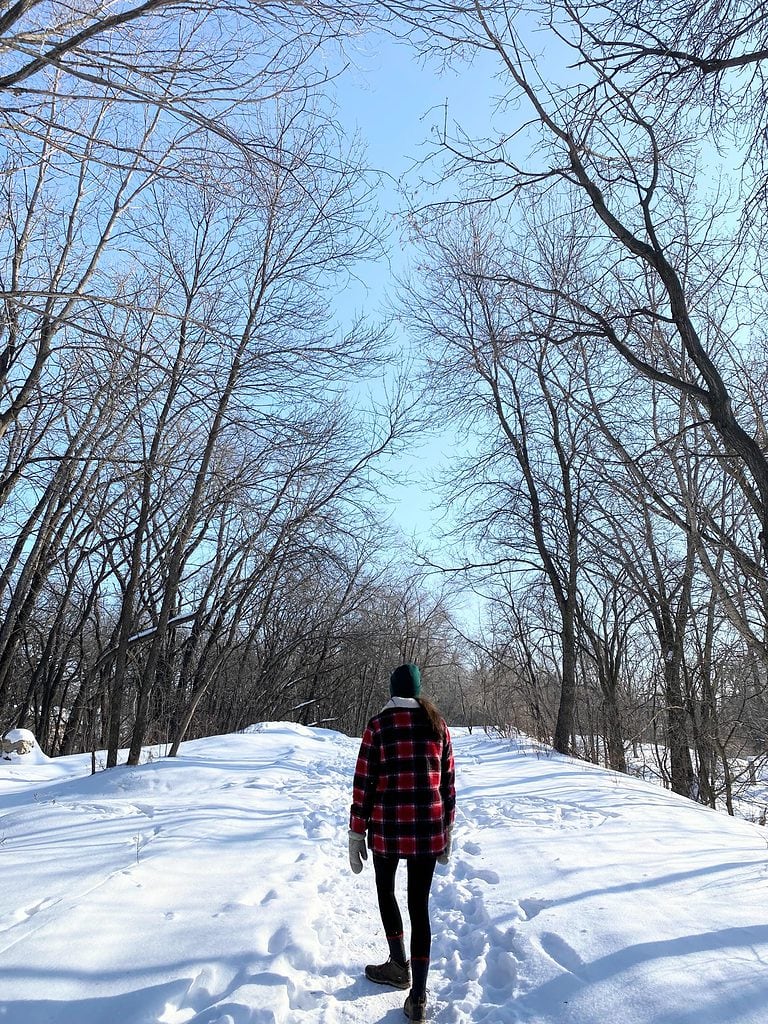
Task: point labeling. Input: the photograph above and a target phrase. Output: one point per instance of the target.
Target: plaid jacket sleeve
(364, 784)
(448, 781)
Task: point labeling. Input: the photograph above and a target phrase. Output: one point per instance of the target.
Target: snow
(32, 754)
(214, 888)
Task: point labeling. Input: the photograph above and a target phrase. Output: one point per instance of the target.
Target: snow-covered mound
(214, 889)
(21, 745)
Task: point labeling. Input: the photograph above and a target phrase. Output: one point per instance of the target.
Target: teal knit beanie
(405, 681)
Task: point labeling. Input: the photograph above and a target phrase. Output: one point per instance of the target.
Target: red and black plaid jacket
(404, 791)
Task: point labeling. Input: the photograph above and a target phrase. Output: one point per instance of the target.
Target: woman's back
(404, 782)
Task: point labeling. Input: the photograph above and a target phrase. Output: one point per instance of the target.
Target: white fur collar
(402, 702)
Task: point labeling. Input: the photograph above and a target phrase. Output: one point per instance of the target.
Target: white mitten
(358, 851)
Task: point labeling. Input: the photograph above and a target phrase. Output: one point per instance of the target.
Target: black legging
(420, 872)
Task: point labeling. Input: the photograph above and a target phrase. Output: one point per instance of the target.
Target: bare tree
(118, 96)
(172, 382)
(494, 365)
(631, 175)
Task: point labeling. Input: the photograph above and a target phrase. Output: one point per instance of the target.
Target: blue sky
(394, 103)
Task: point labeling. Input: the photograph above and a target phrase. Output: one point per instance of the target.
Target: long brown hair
(434, 716)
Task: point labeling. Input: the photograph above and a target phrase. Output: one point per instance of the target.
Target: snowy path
(215, 889)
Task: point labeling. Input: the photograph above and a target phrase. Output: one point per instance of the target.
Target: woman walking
(403, 799)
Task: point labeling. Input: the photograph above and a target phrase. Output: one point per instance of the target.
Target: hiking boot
(391, 973)
(416, 1009)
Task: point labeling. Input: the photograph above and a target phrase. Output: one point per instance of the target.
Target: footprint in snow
(500, 972)
(467, 873)
(562, 953)
(279, 941)
(477, 959)
(532, 907)
(228, 908)
(202, 988)
(317, 826)
(24, 913)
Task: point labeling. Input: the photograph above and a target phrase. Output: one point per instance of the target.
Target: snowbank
(214, 889)
(21, 745)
